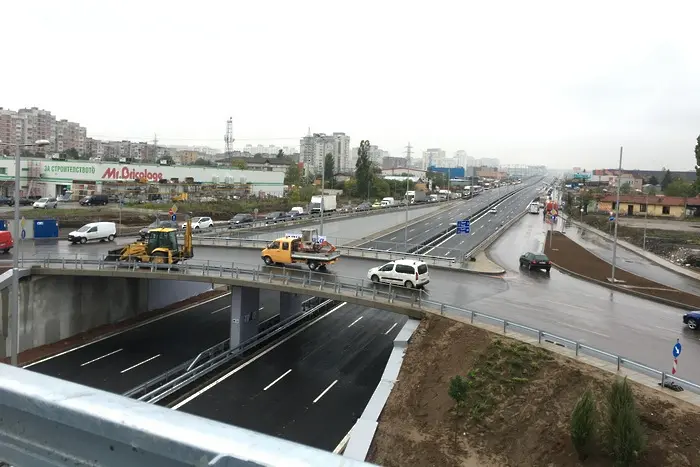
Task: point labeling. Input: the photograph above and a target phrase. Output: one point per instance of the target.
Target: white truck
(417, 196)
(329, 203)
(388, 202)
(534, 208)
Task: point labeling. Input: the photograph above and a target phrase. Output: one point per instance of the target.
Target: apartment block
(313, 150)
(69, 135)
(39, 124)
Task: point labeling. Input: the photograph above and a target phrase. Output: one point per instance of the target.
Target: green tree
(653, 180)
(363, 168)
(280, 154)
(439, 179)
(350, 187)
(623, 429)
(697, 165)
(666, 181)
(458, 391)
(202, 161)
(380, 188)
(626, 188)
(329, 168)
(583, 424)
(679, 188)
(293, 175)
(236, 163)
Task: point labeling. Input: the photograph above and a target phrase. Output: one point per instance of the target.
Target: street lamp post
(405, 228)
(323, 187)
(617, 216)
(14, 307)
(646, 212)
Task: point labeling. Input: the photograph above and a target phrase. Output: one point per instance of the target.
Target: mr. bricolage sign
(131, 173)
(110, 173)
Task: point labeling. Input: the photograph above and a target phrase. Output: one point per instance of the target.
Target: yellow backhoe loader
(160, 246)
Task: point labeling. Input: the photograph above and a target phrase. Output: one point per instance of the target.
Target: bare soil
(518, 407)
(37, 353)
(570, 255)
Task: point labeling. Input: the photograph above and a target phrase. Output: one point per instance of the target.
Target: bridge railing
(345, 287)
(49, 421)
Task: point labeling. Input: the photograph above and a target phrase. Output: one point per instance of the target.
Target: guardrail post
(221, 270)
(357, 290)
(76, 261)
(619, 362)
(578, 346)
(539, 337)
(663, 379)
(505, 325)
(442, 309)
(374, 294)
(237, 272)
(321, 286)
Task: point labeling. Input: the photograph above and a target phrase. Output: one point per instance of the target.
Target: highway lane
(311, 387)
(122, 361)
(485, 225)
(638, 329)
(422, 231)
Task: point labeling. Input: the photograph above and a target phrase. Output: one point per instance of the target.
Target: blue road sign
(677, 350)
(173, 217)
(463, 227)
(612, 219)
(24, 234)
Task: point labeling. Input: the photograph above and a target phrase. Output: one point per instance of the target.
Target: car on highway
(363, 207)
(692, 319)
(45, 203)
(5, 201)
(408, 273)
(200, 223)
(275, 217)
(143, 233)
(241, 220)
(535, 261)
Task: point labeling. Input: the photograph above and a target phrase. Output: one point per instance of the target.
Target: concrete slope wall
(57, 307)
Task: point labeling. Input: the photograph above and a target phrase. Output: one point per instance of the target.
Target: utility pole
(323, 186)
(408, 155)
(617, 216)
(646, 212)
(405, 229)
(228, 138)
(155, 148)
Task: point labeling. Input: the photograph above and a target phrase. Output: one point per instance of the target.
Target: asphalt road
(638, 329)
(310, 387)
(422, 231)
(122, 361)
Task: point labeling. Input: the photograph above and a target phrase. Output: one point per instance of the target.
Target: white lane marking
(100, 358)
(411, 230)
(578, 328)
(275, 381)
(148, 321)
(674, 331)
(221, 309)
(393, 238)
(252, 360)
(261, 308)
(390, 329)
(354, 322)
(139, 364)
(325, 391)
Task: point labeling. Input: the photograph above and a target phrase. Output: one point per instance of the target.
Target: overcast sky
(526, 82)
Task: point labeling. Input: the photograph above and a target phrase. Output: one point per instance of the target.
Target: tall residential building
(12, 129)
(376, 155)
(430, 156)
(40, 124)
(69, 135)
(487, 162)
(313, 150)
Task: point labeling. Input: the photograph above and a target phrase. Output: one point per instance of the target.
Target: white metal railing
(342, 288)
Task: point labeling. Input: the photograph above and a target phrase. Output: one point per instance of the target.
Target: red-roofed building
(636, 205)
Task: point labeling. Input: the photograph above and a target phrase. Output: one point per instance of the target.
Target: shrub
(458, 390)
(624, 433)
(583, 424)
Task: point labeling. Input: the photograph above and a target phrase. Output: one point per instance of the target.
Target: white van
(94, 231)
(404, 272)
(388, 201)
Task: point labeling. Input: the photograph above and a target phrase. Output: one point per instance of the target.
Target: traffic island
(516, 406)
(571, 258)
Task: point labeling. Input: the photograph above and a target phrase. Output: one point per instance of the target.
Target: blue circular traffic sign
(173, 217)
(24, 234)
(677, 349)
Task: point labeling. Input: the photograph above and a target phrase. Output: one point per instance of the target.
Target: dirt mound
(518, 406)
(572, 256)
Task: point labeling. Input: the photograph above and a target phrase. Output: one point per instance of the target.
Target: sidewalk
(664, 263)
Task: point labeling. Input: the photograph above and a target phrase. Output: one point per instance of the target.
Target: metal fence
(341, 288)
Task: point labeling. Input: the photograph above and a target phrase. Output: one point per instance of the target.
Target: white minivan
(404, 272)
(94, 231)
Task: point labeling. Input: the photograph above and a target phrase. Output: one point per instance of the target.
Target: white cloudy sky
(527, 82)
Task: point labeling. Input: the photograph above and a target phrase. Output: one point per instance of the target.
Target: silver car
(45, 203)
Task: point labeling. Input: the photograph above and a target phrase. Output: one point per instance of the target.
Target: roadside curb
(634, 249)
(360, 438)
(635, 293)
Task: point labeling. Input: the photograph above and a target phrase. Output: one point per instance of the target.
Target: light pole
(405, 228)
(14, 307)
(617, 216)
(323, 186)
(646, 212)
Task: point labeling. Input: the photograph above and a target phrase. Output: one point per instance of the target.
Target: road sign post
(173, 217)
(464, 228)
(676, 353)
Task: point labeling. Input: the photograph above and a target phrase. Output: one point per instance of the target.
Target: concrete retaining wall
(57, 307)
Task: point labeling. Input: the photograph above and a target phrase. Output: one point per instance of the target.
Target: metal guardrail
(171, 381)
(344, 287)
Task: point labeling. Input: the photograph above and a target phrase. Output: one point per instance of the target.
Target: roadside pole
(323, 187)
(617, 217)
(646, 211)
(405, 229)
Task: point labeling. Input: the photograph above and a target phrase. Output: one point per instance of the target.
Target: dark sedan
(692, 319)
(241, 220)
(275, 217)
(535, 261)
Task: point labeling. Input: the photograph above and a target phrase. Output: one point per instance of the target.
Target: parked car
(94, 231)
(5, 201)
(363, 207)
(406, 272)
(200, 223)
(275, 217)
(241, 220)
(535, 261)
(94, 200)
(6, 242)
(692, 318)
(24, 202)
(45, 203)
(157, 224)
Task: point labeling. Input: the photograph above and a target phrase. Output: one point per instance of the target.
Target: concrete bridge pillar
(245, 306)
(290, 305)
